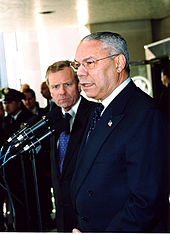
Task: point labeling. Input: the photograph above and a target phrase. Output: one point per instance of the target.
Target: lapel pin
(110, 123)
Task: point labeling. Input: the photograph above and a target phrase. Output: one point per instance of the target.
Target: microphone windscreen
(56, 120)
(32, 120)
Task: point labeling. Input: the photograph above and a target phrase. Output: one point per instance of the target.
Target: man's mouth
(86, 84)
(64, 99)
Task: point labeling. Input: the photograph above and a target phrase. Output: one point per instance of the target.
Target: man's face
(164, 79)
(12, 107)
(100, 81)
(29, 101)
(64, 88)
(45, 91)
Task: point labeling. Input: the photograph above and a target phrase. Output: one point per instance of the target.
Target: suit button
(90, 193)
(84, 219)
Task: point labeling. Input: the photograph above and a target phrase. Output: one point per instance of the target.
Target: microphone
(36, 141)
(33, 143)
(30, 131)
(13, 139)
(32, 135)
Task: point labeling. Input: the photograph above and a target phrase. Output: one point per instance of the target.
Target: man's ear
(120, 63)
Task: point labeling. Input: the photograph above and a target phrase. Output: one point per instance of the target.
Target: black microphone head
(32, 120)
(56, 120)
(27, 124)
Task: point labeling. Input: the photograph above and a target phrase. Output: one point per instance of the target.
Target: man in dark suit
(65, 91)
(120, 180)
(17, 113)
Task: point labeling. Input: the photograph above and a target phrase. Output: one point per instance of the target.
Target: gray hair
(113, 43)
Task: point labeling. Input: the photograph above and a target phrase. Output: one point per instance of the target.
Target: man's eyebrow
(85, 59)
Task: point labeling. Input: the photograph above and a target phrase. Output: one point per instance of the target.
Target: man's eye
(67, 84)
(89, 62)
(55, 87)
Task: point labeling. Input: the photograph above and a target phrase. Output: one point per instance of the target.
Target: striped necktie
(63, 142)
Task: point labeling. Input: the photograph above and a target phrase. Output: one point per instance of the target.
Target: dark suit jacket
(120, 181)
(19, 175)
(8, 128)
(65, 216)
(165, 102)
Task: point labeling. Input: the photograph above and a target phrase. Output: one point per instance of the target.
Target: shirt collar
(115, 92)
(15, 116)
(74, 108)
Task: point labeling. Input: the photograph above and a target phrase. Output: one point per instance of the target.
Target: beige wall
(161, 29)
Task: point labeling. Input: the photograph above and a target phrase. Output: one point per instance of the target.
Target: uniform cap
(12, 95)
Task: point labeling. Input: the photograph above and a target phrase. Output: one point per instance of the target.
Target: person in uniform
(17, 114)
(17, 169)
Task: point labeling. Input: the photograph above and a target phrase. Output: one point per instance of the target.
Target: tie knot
(67, 116)
(99, 108)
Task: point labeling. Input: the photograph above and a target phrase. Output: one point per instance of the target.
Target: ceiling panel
(21, 15)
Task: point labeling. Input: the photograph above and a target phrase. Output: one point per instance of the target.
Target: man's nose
(62, 90)
(81, 70)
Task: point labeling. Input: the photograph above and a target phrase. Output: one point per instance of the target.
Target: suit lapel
(89, 150)
(105, 126)
(78, 129)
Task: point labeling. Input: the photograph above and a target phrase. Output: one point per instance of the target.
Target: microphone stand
(33, 151)
(25, 190)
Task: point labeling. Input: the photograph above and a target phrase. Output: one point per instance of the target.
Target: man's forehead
(89, 49)
(13, 102)
(63, 80)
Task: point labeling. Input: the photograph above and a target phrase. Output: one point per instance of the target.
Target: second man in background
(65, 92)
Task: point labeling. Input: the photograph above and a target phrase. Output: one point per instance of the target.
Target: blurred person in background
(46, 94)
(18, 168)
(24, 86)
(31, 103)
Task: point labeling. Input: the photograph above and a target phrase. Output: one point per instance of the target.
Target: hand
(75, 230)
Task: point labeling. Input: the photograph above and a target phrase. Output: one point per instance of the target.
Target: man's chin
(90, 94)
(65, 106)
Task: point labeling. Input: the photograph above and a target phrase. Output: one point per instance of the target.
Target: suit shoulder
(145, 100)
(88, 103)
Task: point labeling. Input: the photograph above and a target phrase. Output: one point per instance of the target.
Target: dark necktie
(96, 116)
(63, 142)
